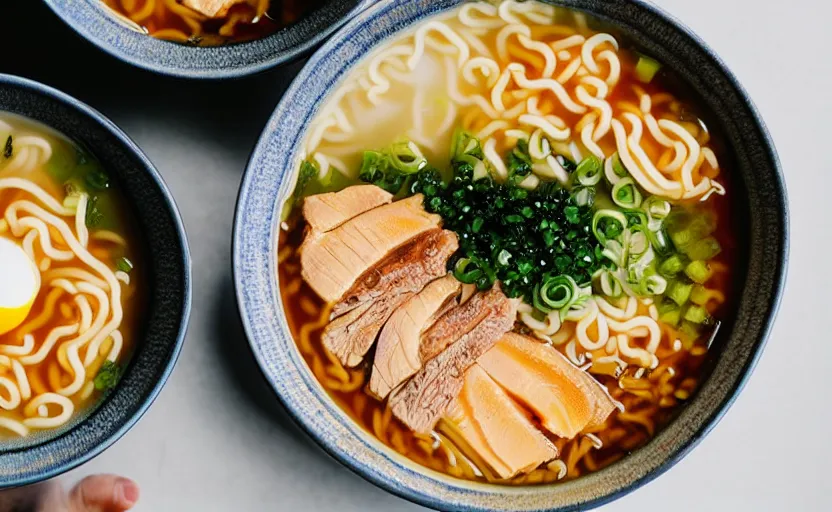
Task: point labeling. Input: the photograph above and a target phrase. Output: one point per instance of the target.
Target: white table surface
(216, 438)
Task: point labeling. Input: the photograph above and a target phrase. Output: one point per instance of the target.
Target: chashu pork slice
(325, 212)
(397, 353)
(565, 398)
(425, 398)
(490, 427)
(332, 262)
(395, 279)
(423, 258)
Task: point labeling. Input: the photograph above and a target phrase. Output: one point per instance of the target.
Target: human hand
(96, 493)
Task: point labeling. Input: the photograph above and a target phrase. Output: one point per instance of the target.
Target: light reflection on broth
(66, 214)
(601, 101)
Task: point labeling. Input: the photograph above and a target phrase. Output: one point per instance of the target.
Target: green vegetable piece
(672, 265)
(696, 314)
(618, 166)
(555, 293)
(589, 171)
(700, 295)
(124, 264)
(671, 316)
(464, 274)
(691, 331)
(8, 149)
(625, 194)
(308, 171)
(679, 292)
(608, 225)
(406, 157)
(704, 249)
(107, 377)
(698, 271)
(646, 69)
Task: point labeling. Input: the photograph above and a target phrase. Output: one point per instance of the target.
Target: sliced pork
(419, 261)
(565, 398)
(491, 428)
(424, 398)
(325, 212)
(333, 261)
(385, 287)
(397, 353)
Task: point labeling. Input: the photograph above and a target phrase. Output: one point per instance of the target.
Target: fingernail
(129, 491)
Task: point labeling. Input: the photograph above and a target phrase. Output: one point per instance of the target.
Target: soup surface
(212, 22)
(574, 179)
(70, 280)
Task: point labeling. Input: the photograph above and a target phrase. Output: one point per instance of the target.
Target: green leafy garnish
(107, 376)
(124, 264)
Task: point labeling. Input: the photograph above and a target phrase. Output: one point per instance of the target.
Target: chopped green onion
(697, 314)
(618, 166)
(656, 207)
(704, 249)
(671, 316)
(610, 285)
(625, 193)
(638, 243)
(698, 271)
(463, 274)
(672, 265)
(608, 225)
(691, 330)
(125, 265)
(503, 257)
(700, 295)
(406, 158)
(679, 292)
(583, 196)
(555, 293)
(646, 69)
(589, 171)
(654, 285)
(107, 377)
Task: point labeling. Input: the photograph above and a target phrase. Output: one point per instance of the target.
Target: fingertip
(128, 492)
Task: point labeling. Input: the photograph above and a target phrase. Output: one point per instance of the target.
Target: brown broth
(167, 19)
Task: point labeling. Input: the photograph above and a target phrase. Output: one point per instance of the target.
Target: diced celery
(698, 271)
(646, 69)
(672, 265)
(679, 291)
(704, 249)
(696, 314)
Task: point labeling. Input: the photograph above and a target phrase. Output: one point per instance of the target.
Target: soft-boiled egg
(19, 285)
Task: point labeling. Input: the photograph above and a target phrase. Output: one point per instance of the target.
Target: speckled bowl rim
(268, 179)
(94, 21)
(62, 457)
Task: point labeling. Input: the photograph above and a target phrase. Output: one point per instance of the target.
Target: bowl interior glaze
(269, 179)
(168, 274)
(94, 21)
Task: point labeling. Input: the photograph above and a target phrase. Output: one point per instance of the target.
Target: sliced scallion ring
(608, 225)
(625, 194)
(589, 171)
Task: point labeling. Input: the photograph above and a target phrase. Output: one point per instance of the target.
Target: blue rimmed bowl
(759, 188)
(167, 265)
(97, 23)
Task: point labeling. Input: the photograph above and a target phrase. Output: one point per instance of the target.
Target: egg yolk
(19, 285)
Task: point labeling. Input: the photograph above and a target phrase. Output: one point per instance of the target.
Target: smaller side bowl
(168, 274)
(95, 22)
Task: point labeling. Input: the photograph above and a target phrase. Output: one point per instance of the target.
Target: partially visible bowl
(168, 278)
(270, 178)
(94, 21)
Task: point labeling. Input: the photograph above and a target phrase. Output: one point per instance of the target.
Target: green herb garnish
(107, 376)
